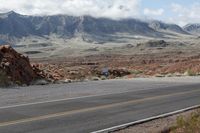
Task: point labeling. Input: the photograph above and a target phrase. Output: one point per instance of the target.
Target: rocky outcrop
(16, 66)
(48, 71)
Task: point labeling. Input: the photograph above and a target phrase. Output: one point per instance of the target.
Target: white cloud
(185, 14)
(153, 12)
(98, 8)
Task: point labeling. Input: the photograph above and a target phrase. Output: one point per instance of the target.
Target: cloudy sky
(173, 11)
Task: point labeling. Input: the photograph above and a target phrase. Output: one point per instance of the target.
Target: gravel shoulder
(161, 125)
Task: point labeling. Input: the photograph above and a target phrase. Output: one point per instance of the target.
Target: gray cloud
(115, 9)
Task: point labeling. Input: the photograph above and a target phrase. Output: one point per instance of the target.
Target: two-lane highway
(94, 113)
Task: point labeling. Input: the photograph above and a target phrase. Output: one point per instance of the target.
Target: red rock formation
(16, 66)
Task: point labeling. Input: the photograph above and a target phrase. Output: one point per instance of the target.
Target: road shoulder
(158, 125)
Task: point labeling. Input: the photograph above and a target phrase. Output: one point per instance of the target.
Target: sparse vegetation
(190, 73)
(18, 82)
(159, 75)
(4, 81)
(136, 72)
(187, 125)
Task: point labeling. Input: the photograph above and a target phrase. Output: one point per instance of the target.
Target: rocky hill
(14, 26)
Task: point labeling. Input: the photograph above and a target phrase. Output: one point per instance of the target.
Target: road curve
(83, 115)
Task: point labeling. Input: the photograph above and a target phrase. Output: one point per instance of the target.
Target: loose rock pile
(16, 66)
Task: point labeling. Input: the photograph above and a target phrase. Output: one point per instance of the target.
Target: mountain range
(14, 26)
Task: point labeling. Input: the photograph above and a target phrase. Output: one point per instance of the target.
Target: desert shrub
(4, 81)
(18, 82)
(189, 125)
(136, 72)
(190, 73)
(103, 78)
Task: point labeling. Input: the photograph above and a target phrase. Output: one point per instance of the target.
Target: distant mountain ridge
(18, 25)
(158, 25)
(193, 28)
(14, 25)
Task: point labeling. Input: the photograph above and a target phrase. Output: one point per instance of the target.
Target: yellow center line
(37, 118)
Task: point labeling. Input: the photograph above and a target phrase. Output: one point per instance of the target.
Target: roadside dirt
(128, 66)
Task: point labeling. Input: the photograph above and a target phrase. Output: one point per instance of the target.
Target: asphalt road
(83, 115)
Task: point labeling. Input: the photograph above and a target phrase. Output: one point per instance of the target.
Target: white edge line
(73, 98)
(123, 126)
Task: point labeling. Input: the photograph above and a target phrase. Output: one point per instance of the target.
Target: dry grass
(187, 125)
